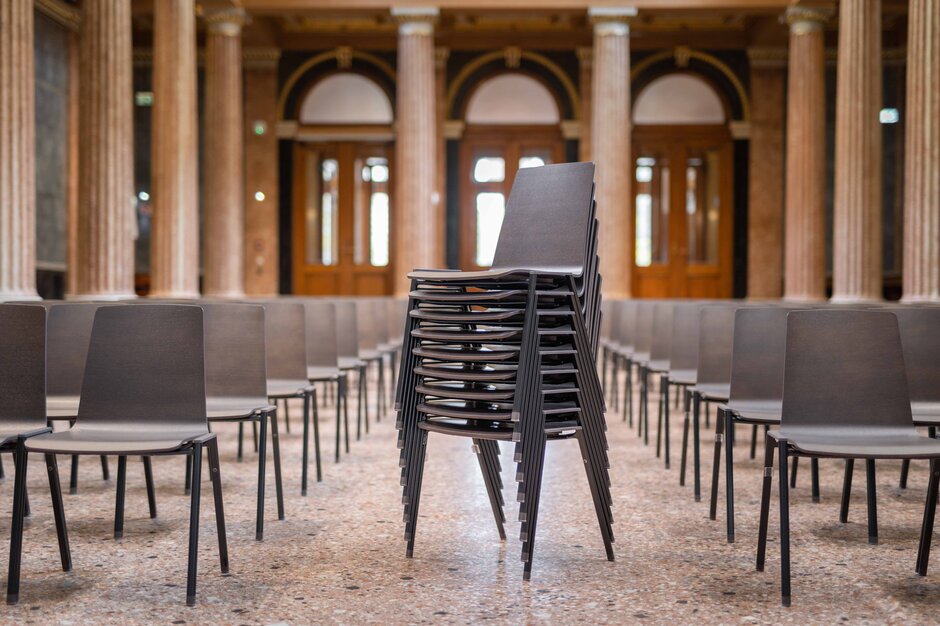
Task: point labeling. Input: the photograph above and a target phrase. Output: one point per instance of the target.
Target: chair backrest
(146, 368)
(845, 368)
(396, 308)
(347, 332)
(235, 350)
(380, 323)
(22, 367)
(643, 326)
(548, 218)
(685, 323)
(626, 324)
(69, 328)
(661, 346)
(320, 316)
(759, 353)
(285, 339)
(715, 339)
(920, 340)
(366, 324)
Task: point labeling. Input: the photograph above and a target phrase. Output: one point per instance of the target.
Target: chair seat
(659, 365)
(756, 411)
(349, 363)
(13, 428)
(62, 407)
(683, 377)
(875, 443)
(926, 413)
(278, 388)
(220, 408)
(451, 275)
(317, 372)
(127, 440)
(370, 355)
(713, 391)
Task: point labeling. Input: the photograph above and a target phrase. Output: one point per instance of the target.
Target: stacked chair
(508, 354)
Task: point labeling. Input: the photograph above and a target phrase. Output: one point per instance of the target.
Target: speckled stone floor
(339, 555)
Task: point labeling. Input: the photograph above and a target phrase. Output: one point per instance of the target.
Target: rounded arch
(679, 98)
(511, 98)
(345, 98)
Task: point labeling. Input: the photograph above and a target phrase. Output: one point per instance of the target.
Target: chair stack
(508, 354)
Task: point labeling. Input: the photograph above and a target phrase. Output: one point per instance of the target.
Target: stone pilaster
(805, 232)
(174, 246)
(106, 221)
(417, 205)
(17, 153)
(585, 71)
(921, 279)
(223, 243)
(610, 146)
(856, 237)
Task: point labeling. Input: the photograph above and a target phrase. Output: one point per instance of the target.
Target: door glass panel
(321, 211)
(702, 205)
(371, 217)
(652, 210)
(490, 208)
(489, 169)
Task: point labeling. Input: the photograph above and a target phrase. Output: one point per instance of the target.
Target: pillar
(417, 205)
(857, 198)
(106, 229)
(440, 86)
(610, 146)
(584, 86)
(766, 173)
(174, 251)
(805, 209)
(17, 153)
(223, 245)
(921, 271)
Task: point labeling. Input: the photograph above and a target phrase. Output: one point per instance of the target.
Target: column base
(847, 299)
(225, 295)
(175, 295)
(920, 299)
(19, 297)
(100, 297)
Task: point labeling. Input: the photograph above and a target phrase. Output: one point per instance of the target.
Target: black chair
(143, 393)
(683, 366)
(845, 395)
(624, 350)
(323, 358)
(22, 416)
(347, 347)
(659, 363)
(370, 324)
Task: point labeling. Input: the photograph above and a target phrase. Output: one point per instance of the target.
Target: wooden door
(683, 214)
(489, 160)
(342, 219)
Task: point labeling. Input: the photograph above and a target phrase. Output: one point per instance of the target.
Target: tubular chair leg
(381, 392)
(254, 435)
(905, 469)
(188, 478)
(729, 472)
(194, 525)
(415, 497)
(659, 419)
(2, 473)
(58, 512)
(345, 394)
(814, 474)
(119, 497)
(872, 501)
(105, 472)
(628, 393)
(492, 487)
(846, 491)
(696, 449)
(148, 479)
(73, 477)
(16, 531)
(305, 454)
(364, 382)
(216, 476)
(685, 440)
(665, 382)
(754, 441)
(241, 441)
(716, 464)
(312, 400)
(765, 502)
(339, 420)
(926, 531)
(286, 416)
(278, 485)
(784, 526)
(796, 464)
(262, 464)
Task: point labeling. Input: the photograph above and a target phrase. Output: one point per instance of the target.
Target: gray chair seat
(370, 355)
(876, 443)
(125, 441)
(323, 373)
(236, 407)
(349, 363)
(62, 407)
(683, 377)
(278, 388)
(713, 391)
(926, 413)
(659, 365)
(640, 357)
(757, 411)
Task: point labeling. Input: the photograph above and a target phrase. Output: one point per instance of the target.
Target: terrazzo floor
(339, 555)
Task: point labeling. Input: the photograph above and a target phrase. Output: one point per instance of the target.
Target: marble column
(921, 278)
(223, 245)
(174, 247)
(440, 86)
(766, 173)
(17, 152)
(106, 219)
(610, 146)
(805, 209)
(417, 205)
(857, 198)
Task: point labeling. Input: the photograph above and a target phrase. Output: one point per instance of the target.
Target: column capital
(415, 20)
(612, 20)
(227, 21)
(803, 18)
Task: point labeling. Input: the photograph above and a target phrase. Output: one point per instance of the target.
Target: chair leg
(485, 457)
(765, 501)
(194, 525)
(359, 404)
(148, 478)
(339, 419)
(784, 526)
(846, 490)
(241, 440)
(596, 493)
(381, 391)
(696, 448)
(2, 473)
(685, 439)
(16, 531)
(664, 381)
(286, 416)
(58, 512)
(188, 479)
(716, 465)
(415, 494)
(305, 450)
(729, 472)
(628, 392)
(364, 381)
(262, 462)
(659, 419)
(105, 471)
(73, 477)
(345, 394)
(310, 401)
(119, 497)
(216, 476)
(872, 502)
(254, 435)
(754, 441)
(278, 485)
(796, 464)
(905, 469)
(926, 531)
(814, 474)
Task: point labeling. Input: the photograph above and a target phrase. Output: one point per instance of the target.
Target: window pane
(702, 206)
(489, 170)
(490, 209)
(320, 211)
(652, 210)
(371, 216)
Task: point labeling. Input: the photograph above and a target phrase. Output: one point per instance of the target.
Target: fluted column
(223, 242)
(174, 251)
(856, 237)
(17, 153)
(106, 219)
(805, 211)
(417, 208)
(921, 279)
(610, 146)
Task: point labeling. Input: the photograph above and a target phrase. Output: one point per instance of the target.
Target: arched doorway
(512, 122)
(342, 191)
(682, 190)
